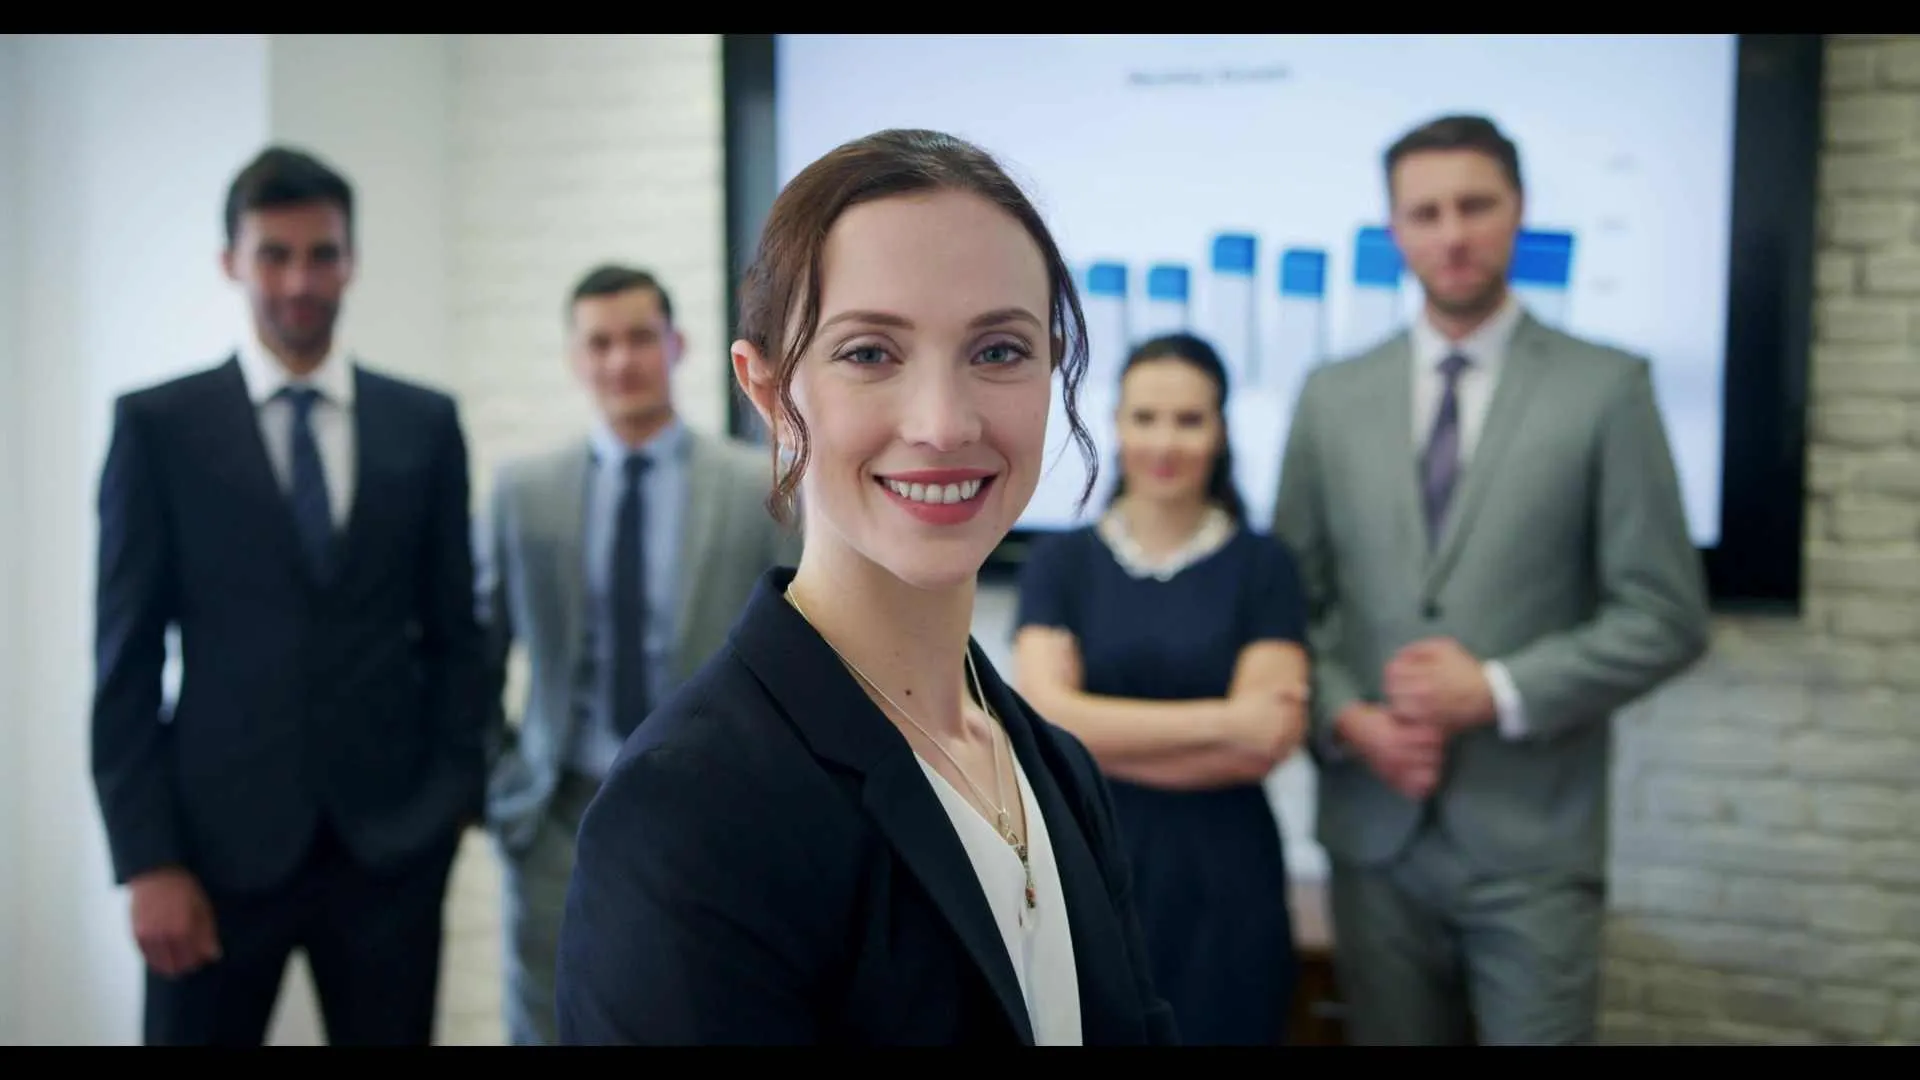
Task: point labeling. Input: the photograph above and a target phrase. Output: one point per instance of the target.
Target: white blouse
(1039, 942)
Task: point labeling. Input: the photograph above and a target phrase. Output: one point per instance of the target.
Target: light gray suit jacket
(1565, 555)
(530, 555)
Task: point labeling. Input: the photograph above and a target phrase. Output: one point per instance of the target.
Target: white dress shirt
(1485, 350)
(331, 419)
(1039, 942)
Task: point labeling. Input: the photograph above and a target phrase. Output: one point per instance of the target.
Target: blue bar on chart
(1373, 310)
(1300, 325)
(1106, 311)
(1542, 273)
(1230, 305)
(1167, 299)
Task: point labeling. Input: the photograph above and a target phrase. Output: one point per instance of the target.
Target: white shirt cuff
(1506, 700)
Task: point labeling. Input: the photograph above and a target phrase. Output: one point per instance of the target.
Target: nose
(302, 279)
(940, 411)
(1453, 229)
(1162, 438)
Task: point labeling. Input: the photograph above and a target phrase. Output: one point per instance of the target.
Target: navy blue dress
(1210, 873)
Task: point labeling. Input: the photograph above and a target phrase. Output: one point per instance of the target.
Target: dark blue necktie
(1440, 465)
(630, 696)
(312, 516)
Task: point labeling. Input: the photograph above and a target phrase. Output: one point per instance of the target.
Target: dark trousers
(371, 941)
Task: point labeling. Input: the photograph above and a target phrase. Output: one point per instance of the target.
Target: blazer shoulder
(180, 391)
(1589, 353)
(540, 465)
(1358, 366)
(1603, 372)
(744, 461)
(722, 726)
(415, 394)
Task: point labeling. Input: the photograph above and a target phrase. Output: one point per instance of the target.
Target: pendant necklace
(1002, 824)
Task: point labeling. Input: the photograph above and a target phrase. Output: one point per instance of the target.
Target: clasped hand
(1434, 689)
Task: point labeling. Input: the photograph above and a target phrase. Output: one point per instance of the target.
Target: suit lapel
(1392, 394)
(561, 507)
(839, 722)
(233, 428)
(1505, 415)
(700, 535)
(374, 428)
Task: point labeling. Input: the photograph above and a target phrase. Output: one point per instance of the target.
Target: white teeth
(935, 493)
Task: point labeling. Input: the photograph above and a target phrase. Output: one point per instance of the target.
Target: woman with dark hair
(1169, 638)
(846, 828)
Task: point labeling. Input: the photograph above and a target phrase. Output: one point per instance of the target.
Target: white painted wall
(376, 107)
(13, 516)
(122, 148)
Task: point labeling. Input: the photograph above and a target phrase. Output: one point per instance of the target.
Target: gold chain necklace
(1002, 824)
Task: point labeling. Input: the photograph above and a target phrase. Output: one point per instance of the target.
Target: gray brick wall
(1766, 866)
(1766, 875)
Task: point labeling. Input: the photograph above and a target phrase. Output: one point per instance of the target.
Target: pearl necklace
(1001, 824)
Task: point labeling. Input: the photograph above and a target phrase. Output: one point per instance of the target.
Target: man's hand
(1405, 754)
(1437, 682)
(173, 922)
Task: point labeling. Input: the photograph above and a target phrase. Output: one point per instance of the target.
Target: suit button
(1430, 610)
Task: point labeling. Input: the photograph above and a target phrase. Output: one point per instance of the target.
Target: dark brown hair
(612, 279)
(1196, 353)
(1458, 133)
(282, 176)
(786, 267)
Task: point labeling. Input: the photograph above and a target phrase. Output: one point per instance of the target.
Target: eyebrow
(995, 317)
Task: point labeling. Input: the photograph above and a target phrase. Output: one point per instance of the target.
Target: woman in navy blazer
(846, 828)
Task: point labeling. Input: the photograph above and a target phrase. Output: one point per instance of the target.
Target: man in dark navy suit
(301, 523)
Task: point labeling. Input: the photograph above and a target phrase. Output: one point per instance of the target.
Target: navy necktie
(630, 695)
(312, 514)
(1440, 465)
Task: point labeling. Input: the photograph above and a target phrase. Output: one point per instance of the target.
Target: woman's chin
(937, 567)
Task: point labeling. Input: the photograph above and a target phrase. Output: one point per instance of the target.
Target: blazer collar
(837, 720)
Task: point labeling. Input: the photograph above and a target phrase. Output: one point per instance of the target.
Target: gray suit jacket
(531, 585)
(1566, 556)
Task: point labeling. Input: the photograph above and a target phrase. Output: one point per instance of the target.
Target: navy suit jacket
(766, 863)
(356, 698)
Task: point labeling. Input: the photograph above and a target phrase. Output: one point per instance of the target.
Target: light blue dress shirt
(663, 490)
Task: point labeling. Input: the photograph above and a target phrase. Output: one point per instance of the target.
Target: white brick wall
(1767, 877)
(1766, 869)
(568, 150)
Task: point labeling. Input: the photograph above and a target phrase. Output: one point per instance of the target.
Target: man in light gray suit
(1496, 558)
(620, 560)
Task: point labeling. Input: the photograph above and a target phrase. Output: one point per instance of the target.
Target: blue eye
(1004, 353)
(864, 355)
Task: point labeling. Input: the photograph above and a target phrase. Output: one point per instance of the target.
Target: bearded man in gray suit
(620, 561)
(1490, 531)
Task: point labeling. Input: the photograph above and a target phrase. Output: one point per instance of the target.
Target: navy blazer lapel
(232, 427)
(840, 723)
(1111, 1012)
(377, 426)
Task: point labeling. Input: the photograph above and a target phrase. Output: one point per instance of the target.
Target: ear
(227, 263)
(676, 347)
(755, 378)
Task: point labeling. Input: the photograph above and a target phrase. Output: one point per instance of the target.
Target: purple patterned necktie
(1440, 465)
